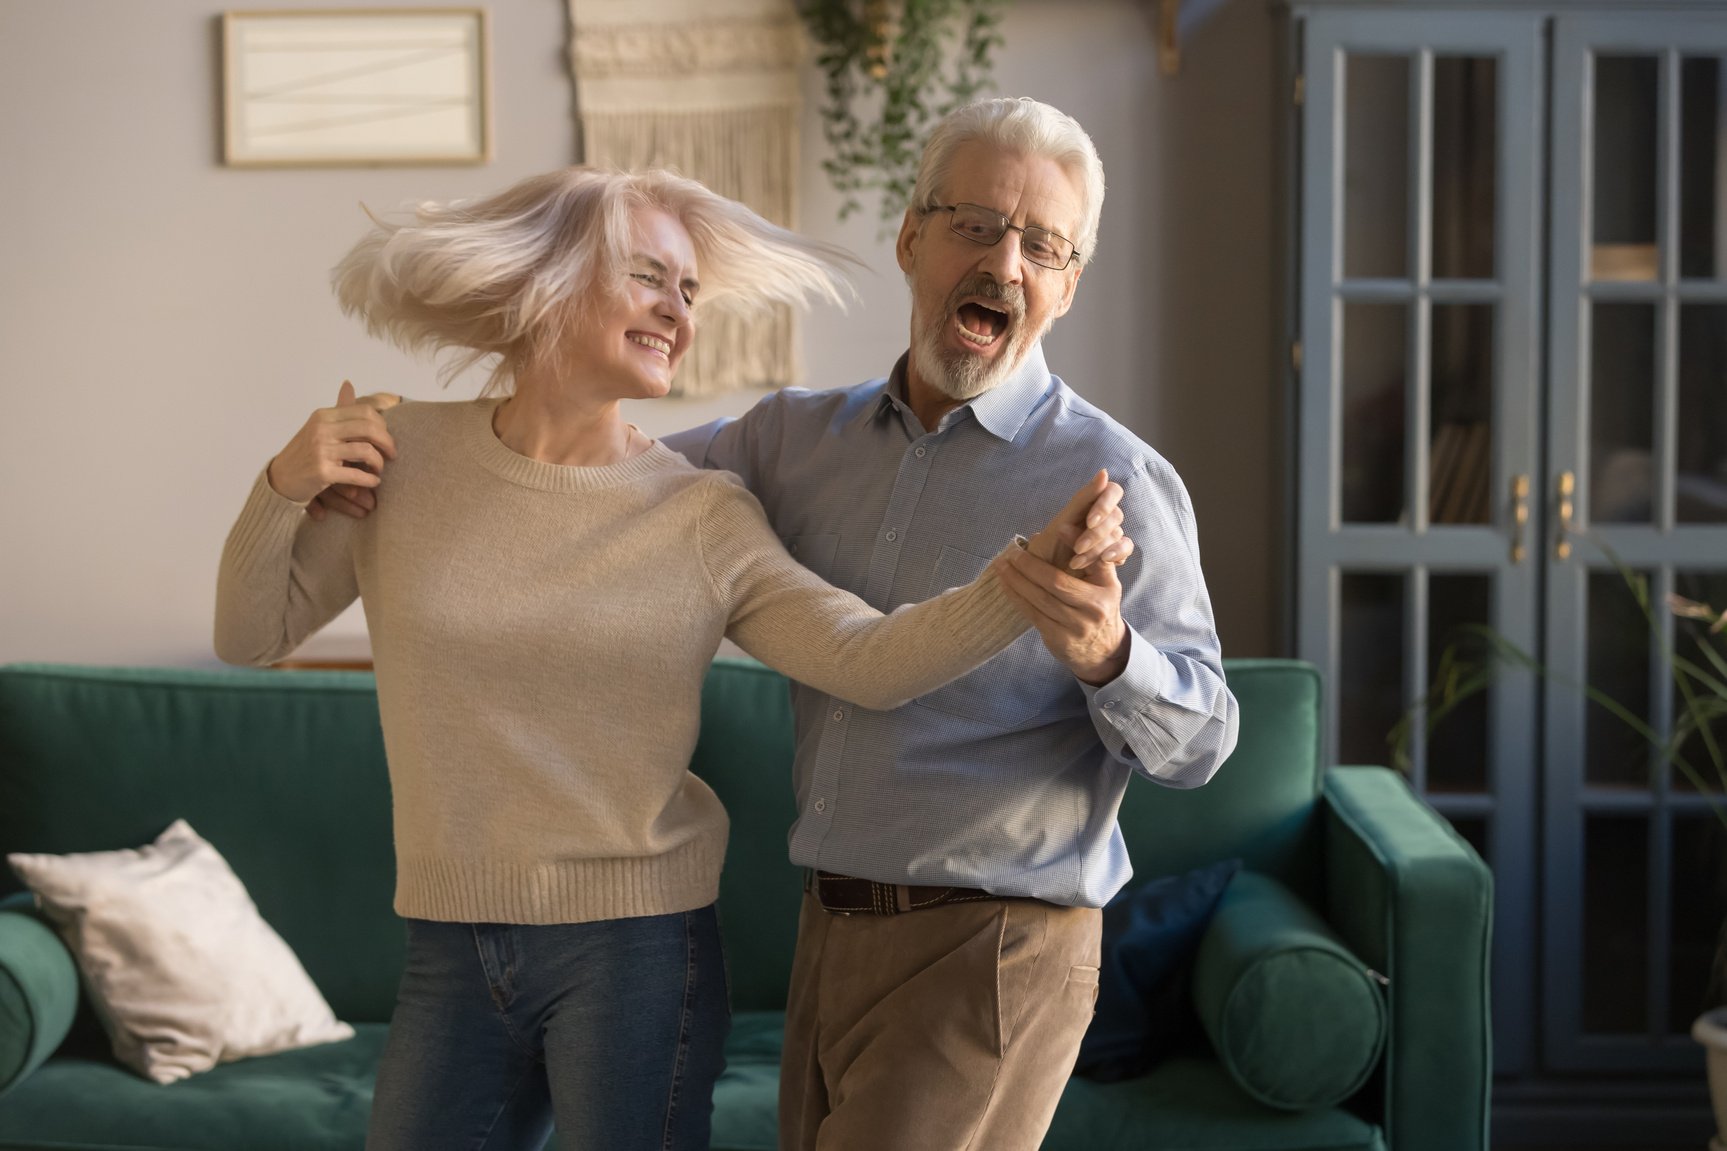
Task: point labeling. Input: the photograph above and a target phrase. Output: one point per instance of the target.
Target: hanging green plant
(901, 55)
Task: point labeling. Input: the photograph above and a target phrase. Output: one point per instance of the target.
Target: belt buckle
(816, 883)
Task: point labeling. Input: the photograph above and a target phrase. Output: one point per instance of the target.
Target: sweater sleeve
(794, 621)
(282, 578)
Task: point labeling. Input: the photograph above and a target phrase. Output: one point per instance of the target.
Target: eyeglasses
(986, 226)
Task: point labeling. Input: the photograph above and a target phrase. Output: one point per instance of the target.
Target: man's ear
(909, 235)
(1068, 291)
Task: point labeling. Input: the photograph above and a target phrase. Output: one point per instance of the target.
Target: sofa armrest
(1413, 899)
(38, 991)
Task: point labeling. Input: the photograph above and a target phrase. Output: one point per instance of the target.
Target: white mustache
(986, 289)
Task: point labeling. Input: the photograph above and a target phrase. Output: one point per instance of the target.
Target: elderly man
(958, 849)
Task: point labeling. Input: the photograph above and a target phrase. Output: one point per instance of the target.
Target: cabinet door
(1421, 153)
(1635, 872)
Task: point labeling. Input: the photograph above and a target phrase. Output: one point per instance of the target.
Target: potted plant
(1476, 654)
(1705, 697)
(893, 68)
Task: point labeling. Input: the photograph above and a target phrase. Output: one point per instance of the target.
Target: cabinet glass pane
(1460, 459)
(1702, 169)
(1700, 494)
(1370, 650)
(1375, 366)
(1457, 747)
(1621, 413)
(1699, 895)
(1465, 165)
(1615, 923)
(1474, 829)
(1692, 641)
(1376, 166)
(1618, 666)
(1627, 127)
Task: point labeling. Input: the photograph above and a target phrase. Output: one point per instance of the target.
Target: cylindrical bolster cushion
(38, 993)
(1295, 1017)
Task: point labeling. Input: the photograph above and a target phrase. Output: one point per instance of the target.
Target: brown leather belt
(844, 895)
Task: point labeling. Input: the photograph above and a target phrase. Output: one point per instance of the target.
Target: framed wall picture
(356, 87)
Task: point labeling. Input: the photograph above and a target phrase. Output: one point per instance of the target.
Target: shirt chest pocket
(815, 552)
(1011, 689)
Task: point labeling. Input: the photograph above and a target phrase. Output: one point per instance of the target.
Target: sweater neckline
(526, 472)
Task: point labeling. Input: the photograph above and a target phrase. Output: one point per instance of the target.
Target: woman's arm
(282, 578)
(792, 620)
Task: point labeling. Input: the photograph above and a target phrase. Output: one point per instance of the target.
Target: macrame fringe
(747, 154)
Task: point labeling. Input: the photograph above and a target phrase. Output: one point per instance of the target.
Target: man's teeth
(981, 339)
(663, 347)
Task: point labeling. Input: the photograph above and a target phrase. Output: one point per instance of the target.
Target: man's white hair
(1023, 125)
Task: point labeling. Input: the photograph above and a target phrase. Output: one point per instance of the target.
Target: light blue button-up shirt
(1008, 779)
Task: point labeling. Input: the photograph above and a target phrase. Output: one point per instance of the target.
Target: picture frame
(356, 87)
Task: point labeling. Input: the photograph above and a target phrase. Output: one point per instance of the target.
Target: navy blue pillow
(1150, 934)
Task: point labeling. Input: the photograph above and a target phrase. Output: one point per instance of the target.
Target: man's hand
(352, 500)
(1078, 615)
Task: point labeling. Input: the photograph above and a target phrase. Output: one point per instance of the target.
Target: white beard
(960, 376)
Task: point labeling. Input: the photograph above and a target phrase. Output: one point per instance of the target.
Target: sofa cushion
(746, 1099)
(1262, 803)
(1190, 1104)
(1144, 1009)
(1295, 1017)
(38, 991)
(313, 1099)
(1193, 1104)
(745, 755)
(176, 957)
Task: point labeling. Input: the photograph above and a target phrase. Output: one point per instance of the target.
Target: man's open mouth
(981, 323)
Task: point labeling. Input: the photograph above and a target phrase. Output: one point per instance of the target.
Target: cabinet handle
(1567, 489)
(1519, 516)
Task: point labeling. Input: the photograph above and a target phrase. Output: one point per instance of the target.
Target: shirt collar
(1001, 411)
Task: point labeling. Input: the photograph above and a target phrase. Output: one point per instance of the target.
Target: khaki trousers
(943, 1029)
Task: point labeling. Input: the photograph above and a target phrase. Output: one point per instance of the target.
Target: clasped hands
(1064, 581)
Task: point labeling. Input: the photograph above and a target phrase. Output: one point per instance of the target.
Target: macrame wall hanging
(708, 88)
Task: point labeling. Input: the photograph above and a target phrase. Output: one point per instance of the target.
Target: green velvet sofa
(284, 772)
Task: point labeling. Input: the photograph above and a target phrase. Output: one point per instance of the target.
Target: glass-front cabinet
(1510, 361)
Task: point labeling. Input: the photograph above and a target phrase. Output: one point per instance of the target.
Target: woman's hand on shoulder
(352, 501)
(346, 444)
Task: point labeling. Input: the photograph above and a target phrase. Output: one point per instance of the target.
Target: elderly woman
(544, 586)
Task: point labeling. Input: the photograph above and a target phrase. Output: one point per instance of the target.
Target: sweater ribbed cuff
(264, 533)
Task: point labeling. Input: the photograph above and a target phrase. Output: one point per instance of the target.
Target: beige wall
(165, 323)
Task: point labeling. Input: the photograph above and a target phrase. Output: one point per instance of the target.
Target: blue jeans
(616, 1028)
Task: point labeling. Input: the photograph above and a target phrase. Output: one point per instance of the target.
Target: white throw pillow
(181, 967)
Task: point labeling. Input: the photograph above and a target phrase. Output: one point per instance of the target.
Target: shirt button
(920, 453)
(1109, 705)
(793, 549)
(821, 805)
(892, 536)
(839, 715)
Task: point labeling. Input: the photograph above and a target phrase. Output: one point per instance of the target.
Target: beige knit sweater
(540, 635)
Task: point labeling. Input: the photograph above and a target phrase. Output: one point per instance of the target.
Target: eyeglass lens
(1040, 245)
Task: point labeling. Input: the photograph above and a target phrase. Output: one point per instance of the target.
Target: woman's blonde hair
(505, 275)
